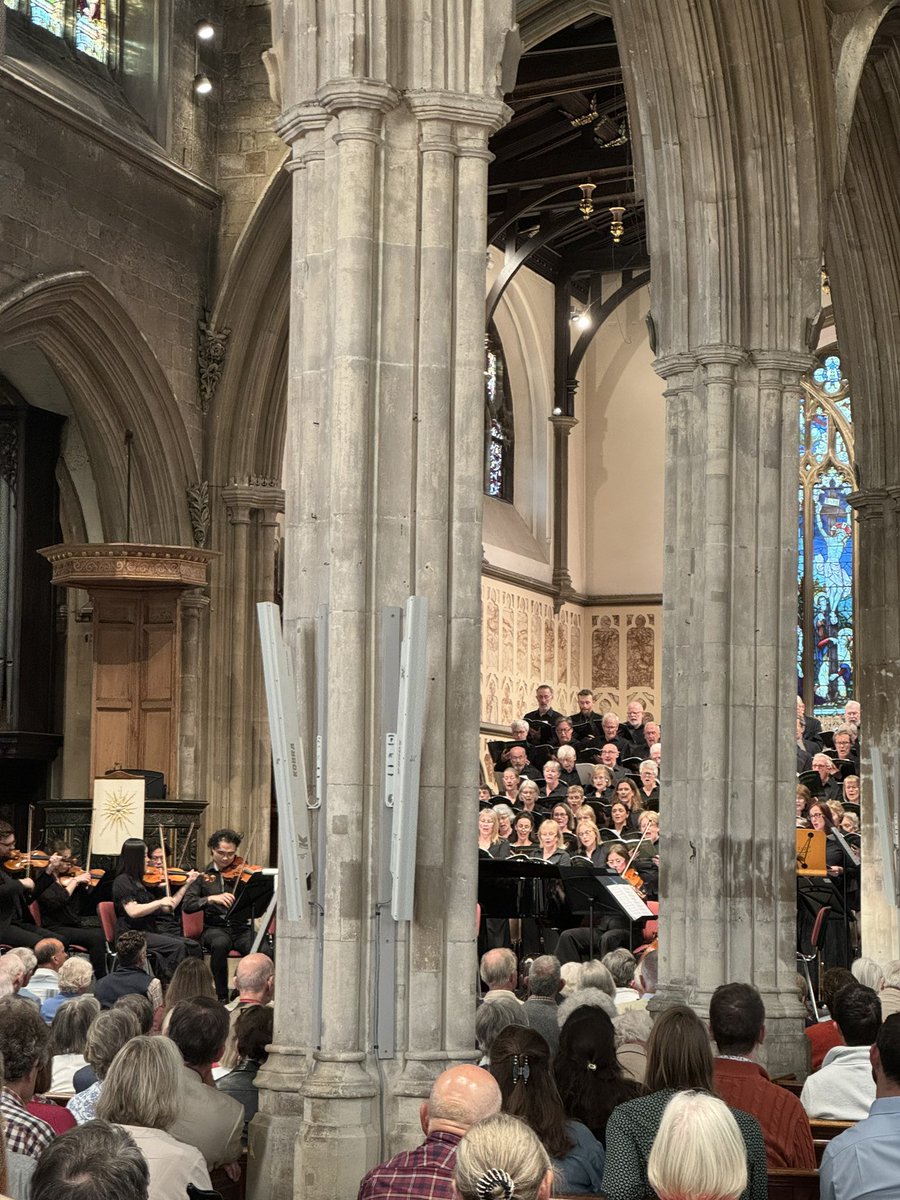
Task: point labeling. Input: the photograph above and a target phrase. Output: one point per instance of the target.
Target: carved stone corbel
(211, 347)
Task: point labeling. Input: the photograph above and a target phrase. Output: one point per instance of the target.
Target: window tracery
(498, 417)
(84, 24)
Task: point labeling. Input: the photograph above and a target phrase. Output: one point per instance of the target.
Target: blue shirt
(864, 1162)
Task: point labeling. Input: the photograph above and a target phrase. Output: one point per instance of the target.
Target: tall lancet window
(826, 614)
(84, 24)
(498, 421)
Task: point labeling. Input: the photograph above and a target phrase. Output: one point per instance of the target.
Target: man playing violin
(17, 928)
(159, 871)
(214, 893)
(59, 914)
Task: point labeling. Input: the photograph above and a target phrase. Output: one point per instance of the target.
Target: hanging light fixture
(586, 204)
(202, 85)
(616, 228)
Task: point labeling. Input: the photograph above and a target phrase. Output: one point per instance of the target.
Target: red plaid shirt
(425, 1173)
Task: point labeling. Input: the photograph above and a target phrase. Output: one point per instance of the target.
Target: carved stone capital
(670, 365)
(198, 510)
(300, 121)
(351, 98)
(338, 1076)
(211, 346)
(871, 504)
(564, 423)
(784, 361)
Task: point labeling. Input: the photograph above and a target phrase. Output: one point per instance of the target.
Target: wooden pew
(791, 1184)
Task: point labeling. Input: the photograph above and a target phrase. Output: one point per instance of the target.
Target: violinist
(158, 864)
(59, 912)
(136, 909)
(575, 945)
(213, 894)
(17, 928)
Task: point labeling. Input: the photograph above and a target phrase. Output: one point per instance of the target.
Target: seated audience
(130, 974)
(570, 977)
(23, 1045)
(75, 977)
(141, 1093)
(590, 1080)
(632, 1029)
(50, 954)
(678, 1059)
(865, 971)
(192, 977)
(255, 983)
(68, 1034)
(58, 907)
(825, 1033)
(107, 1035)
(205, 1117)
(737, 1021)
(141, 1008)
(93, 1162)
(843, 1088)
(499, 971)
(42, 1106)
(646, 978)
(520, 1062)
(865, 1161)
(699, 1153)
(890, 990)
(597, 990)
(253, 1032)
(460, 1097)
(500, 1158)
(621, 964)
(491, 1018)
(541, 1006)
(28, 959)
(12, 975)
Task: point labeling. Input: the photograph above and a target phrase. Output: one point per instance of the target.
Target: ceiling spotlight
(583, 320)
(557, 412)
(202, 85)
(204, 29)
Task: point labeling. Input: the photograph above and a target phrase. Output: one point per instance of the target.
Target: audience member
(255, 983)
(678, 1059)
(520, 1062)
(737, 1019)
(41, 1106)
(597, 989)
(646, 979)
(107, 1035)
(130, 974)
(825, 1033)
(890, 990)
(541, 1005)
(253, 1031)
(12, 973)
(499, 1158)
(460, 1097)
(140, 1093)
(621, 965)
(191, 978)
(491, 1018)
(23, 1045)
(50, 954)
(75, 977)
(206, 1118)
(28, 959)
(570, 976)
(864, 1162)
(843, 1089)
(140, 1006)
(590, 1080)
(632, 1029)
(93, 1162)
(699, 1153)
(68, 1034)
(500, 972)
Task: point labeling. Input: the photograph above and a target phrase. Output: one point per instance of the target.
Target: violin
(96, 874)
(156, 876)
(631, 875)
(19, 862)
(240, 870)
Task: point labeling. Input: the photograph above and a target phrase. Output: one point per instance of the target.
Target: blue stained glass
(843, 407)
(829, 377)
(802, 428)
(832, 566)
(840, 449)
(90, 29)
(49, 14)
(495, 460)
(818, 435)
(801, 564)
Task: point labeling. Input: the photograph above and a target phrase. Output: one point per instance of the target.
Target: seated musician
(158, 860)
(136, 909)
(575, 945)
(214, 895)
(16, 893)
(566, 756)
(59, 913)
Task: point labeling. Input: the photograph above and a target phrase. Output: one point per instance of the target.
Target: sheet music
(628, 900)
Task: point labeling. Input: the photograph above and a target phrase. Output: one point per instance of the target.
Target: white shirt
(625, 996)
(44, 983)
(64, 1068)
(843, 1088)
(500, 994)
(173, 1165)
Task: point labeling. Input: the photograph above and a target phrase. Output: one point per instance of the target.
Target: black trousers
(92, 940)
(218, 940)
(21, 935)
(166, 952)
(610, 932)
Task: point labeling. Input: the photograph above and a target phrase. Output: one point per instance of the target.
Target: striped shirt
(25, 1134)
(425, 1173)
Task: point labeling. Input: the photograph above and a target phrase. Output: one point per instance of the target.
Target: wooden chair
(106, 912)
(792, 1184)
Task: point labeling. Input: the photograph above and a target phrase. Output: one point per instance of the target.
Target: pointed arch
(114, 383)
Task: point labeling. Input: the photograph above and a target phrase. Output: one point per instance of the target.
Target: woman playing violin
(213, 894)
(137, 909)
(59, 911)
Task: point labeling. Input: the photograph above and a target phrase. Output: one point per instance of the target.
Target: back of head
(497, 967)
(132, 858)
(736, 1017)
(460, 1096)
(106, 1037)
(491, 1018)
(698, 1151)
(620, 964)
(75, 975)
(520, 1062)
(23, 1037)
(678, 1052)
(191, 978)
(857, 1013)
(570, 973)
(498, 1158)
(649, 971)
(93, 1160)
(27, 957)
(867, 972)
(543, 977)
(888, 1042)
(141, 1085)
(833, 980)
(140, 1006)
(47, 949)
(70, 1025)
(892, 973)
(130, 947)
(199, 1028)
(253, 1032)
(596, 975)
(253, 973)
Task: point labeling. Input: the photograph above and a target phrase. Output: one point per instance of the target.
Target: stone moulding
(128, 564)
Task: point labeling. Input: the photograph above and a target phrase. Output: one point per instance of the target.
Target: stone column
(238, 511)
(193, 606)
(563, 424)
(728, 682)
(878, 680)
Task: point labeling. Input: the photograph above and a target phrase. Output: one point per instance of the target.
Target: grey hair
(566, 752)
(650, 765)
(255, 976)
(500, 1156)
(633, 1025)
(648, 971)
(592, 997)
(69, 1027)
(503, 810)
(495, 1016)
(571, 973)
(620, 964)
(543, 977)
(94, 1159)
(698, 1150)
(595, 974)
(497, 965)
(892, 974)
(75, 974)
(141, 1085)
(28, 957)
(520, 725)
(868, 972)
(106, 1037)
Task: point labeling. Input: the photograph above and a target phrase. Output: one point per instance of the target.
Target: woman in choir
(601, 783)
(845, 877)
(589, 842)
(505, 817)
(804, 799)
(851, 790)
(648, 824)
(565, 819)
(489, 841)
(649, 773)
(552, 844)
(620, 820)
(524, 830)
(850, 825)
(575, 797)
(528, 795)
(509, 786)
(628, 792)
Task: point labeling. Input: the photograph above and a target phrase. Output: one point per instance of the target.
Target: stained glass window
(49, 14)
(90, 28)
(826, 543)
(83, 23)
(498, 418)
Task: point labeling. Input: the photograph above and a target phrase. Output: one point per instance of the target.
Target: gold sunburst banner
(118, 813)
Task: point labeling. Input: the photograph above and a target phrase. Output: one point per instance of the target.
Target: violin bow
(162, 846)
(634, 854)
(30, 830)
(187, 842)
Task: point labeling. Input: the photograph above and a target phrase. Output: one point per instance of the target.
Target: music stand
(583, 888)
(810, 845)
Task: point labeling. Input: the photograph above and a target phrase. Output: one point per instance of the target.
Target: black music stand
(585, 890)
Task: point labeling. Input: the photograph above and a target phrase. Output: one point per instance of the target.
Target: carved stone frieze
(117, 564)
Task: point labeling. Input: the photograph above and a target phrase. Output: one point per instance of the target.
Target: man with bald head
(459, 1098)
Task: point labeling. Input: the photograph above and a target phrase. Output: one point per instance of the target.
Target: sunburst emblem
(118, 808)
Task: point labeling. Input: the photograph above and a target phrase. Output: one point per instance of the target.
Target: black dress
(166, 949)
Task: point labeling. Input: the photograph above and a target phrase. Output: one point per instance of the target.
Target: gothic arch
(538, 21)
(114, 383)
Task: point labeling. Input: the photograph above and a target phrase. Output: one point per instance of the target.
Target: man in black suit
(518, 760)
(545, 714)
(17, 927)
(586, 722)
(812, 726)
(610, 736)
(633, 729)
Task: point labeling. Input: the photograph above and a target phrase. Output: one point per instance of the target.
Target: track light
(204, 29)
(202, 85)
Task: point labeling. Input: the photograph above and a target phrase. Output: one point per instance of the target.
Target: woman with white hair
(75, 976)
(698, 1153)
(139, 1094)
(501, 1158)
